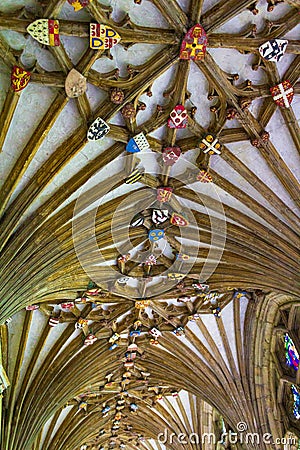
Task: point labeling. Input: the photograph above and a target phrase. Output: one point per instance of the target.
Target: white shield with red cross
(179, 220)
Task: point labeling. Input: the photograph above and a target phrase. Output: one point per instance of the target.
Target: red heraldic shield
(164, 194)
(179, 220)
(283, 94)
(32, 307)
(194, 44)
(19, 78)
(67, 305)
(171, 155)
(178, 117)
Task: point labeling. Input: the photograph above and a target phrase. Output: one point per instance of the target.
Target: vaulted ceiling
(186, 331)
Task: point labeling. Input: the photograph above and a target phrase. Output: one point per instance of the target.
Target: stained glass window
(291, 354)
(296, 409)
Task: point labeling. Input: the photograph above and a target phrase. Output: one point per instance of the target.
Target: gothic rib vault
(199, 354)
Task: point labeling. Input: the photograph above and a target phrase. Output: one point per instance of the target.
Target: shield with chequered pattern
(97, 130)
(137, 143)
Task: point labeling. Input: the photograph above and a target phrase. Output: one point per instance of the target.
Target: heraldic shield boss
(103, 37)
(194, 44)
(164, 194)
(283, 94)
(79, 4)
(210, 144)
(97, 130)
(19, 78)
(75, 84)
(179, 220)
(45, 31)
(273, 50)
(137, 143)
(156, 235)
(204, 177)
(134, 176)
(171, 155)
(178, 117)
(159, 216)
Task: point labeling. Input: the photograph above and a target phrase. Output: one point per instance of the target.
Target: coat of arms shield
(283, 94)
(210, 144)
(194, 44)
(79, 4)
(45, 31)
(19, 78)
(178, 117)
(97, 130)
(103, 37)
(273, 50)
(75, 84)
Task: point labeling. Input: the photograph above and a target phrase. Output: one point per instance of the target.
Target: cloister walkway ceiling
(165, 277)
